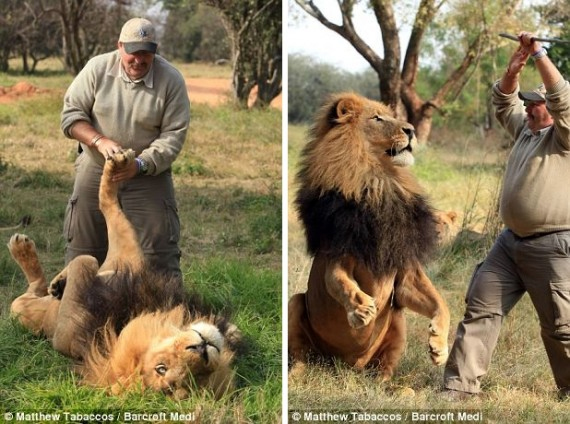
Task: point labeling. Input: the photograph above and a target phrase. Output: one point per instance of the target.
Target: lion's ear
(347, 109)
(452, 215)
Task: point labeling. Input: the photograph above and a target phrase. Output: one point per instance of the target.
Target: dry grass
(519, 387)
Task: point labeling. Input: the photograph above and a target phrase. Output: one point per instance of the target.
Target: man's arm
(176, 118)
(549, 74)
(84, 132)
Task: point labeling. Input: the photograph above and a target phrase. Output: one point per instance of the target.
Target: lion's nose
(201, 349)
(409, 132)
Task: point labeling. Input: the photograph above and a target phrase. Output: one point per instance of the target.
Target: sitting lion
(446, 226)
(126, 325)
(369, 229)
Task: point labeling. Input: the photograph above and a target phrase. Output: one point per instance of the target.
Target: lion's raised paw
(121, 158)
(57, 286)
(21, 247)
(362, 314)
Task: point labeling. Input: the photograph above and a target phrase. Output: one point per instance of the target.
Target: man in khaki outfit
(533, 253)
(128, 98)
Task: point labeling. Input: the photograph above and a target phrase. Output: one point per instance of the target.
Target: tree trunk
(4, 56)
(255, 31)
(268, 83)
(25, 66)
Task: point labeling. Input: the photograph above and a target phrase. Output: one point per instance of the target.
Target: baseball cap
(536, 95)
(138, 34)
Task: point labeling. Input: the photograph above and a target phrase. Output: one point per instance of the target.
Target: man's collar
(538, 133)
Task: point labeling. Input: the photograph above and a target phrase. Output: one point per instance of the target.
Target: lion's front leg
(56, 286)
(415, 290)
(124, 247)
(340, 284)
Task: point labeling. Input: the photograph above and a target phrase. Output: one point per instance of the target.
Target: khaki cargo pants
(537, 265)
(148, 202)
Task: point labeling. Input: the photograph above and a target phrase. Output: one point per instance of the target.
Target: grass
(228, 190)
(457, 175)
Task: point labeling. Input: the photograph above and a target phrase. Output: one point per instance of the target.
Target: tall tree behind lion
(471, 28)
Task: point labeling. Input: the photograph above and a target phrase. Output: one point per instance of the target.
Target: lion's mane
(352, 202)
(156, 300)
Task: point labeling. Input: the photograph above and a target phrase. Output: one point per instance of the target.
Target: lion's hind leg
(67, 336)
(32, 307)
(298, 340)
(393, 345)
(124, 247)
(23, 250)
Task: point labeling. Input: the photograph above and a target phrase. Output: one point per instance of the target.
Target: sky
(305, 35)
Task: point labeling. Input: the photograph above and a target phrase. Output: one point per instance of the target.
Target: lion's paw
(298, 370)
(438, 350)
(57, 286)
(22, 248)
(233, 337)
(363, 313)
(121, 159)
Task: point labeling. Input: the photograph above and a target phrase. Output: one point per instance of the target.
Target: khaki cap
(138, 34)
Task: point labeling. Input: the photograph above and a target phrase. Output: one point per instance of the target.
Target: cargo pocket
(173, 221)
(561, 306)
(70, 218)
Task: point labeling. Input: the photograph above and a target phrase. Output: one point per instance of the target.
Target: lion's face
(173, 361)
(356, 147)
(386, 136)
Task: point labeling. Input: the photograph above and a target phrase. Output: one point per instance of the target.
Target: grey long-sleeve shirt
(535, 197)
(150, 116)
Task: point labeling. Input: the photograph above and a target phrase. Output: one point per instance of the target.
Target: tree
(254, 27)
(557, 14)
(397, 78)
(89, 27)
(33, 44)
(15, 20)
(194, 31)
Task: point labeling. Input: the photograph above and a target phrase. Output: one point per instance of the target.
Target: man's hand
(518, 61)
(108, 147)
(527, 43)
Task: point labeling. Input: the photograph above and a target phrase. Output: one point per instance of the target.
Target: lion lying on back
(127, 326)
(369, 229)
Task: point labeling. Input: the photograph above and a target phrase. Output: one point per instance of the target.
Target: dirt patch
(212, 91)
(17, 91)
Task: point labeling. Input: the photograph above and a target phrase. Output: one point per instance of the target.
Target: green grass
(460, 174)
(230, 215)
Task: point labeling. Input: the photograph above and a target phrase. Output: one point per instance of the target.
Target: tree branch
(346, 30)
